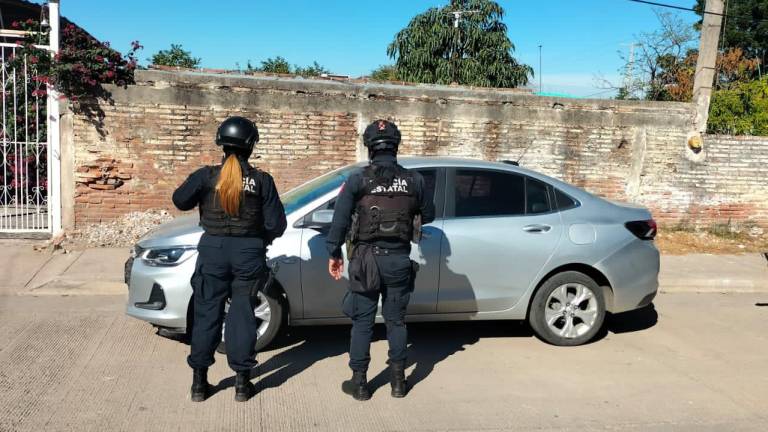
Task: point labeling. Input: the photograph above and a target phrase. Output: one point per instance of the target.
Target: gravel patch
(122, 232)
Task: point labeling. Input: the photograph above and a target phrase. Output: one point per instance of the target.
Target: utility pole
(629, 74)
(540, 77)
(54, 138)
(705, 66)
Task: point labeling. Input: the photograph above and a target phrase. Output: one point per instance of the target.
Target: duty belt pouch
(363, 271)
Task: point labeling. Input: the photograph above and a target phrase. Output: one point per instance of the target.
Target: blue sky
(580, 38)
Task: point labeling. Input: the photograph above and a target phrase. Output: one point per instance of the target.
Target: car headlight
(166, 257)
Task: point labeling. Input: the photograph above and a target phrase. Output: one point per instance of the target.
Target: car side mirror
(319, 219)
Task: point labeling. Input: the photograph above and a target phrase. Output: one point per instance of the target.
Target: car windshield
(308, 192)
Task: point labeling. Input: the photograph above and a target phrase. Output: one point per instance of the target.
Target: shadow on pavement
(429, 344)
(633, 321)
(432, 343)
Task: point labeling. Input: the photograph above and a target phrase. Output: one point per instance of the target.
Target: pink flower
(110, 74)
(33, 59)
(99, 58)
(15, 24)
(30, 21)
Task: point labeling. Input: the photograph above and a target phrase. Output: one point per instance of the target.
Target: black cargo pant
(227, 267)
(397, 276)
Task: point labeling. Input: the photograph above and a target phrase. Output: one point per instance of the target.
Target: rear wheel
(271, 314)
(568, 309)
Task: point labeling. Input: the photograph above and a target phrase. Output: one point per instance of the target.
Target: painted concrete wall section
(156, 132)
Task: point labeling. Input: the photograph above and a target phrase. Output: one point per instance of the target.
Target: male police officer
(241, 213)
(381, 202)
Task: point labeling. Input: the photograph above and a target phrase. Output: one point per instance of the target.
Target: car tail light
(644, 230)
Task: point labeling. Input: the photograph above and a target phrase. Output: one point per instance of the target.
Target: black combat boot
(200, 387)
(357, 386)
(244, 388)
(397, 379)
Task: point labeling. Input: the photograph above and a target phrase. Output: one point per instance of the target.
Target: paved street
(696, 362)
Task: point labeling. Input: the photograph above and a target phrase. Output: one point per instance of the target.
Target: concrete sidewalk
(100, 271)
(27, 271)
(714, 273)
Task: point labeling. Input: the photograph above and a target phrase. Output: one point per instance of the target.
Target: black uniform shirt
(195, 187)
(352, 192)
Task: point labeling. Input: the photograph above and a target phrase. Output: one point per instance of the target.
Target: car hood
(182, 231)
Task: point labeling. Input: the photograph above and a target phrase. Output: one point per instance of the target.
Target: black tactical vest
(386, 210)
(250, 220)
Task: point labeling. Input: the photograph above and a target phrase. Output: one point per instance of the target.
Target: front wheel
(568, 309)
(271, 314)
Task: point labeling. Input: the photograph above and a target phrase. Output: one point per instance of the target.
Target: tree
(740, 110)
(385, 73)
(309, 71)
(175, 56)
(658, 57)
(274, 65)
(464, 42)
(745, 27)
(280, 65)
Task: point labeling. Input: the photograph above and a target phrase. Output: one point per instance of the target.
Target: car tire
(568, 309)
(277, 319)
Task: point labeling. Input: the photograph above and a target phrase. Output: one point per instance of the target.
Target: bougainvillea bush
(78, 71)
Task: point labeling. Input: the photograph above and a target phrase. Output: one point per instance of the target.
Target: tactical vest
(387, 208)
(250, 220)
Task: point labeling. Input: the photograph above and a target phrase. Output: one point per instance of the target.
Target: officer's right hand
(336, 268)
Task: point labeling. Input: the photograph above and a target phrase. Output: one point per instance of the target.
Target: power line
(694, 10)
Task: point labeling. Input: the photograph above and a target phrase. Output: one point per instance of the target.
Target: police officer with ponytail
(241, 214)
(378, 213)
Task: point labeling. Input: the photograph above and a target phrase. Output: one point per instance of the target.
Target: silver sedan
(508, 243)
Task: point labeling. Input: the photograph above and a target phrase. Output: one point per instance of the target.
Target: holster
(265, 282)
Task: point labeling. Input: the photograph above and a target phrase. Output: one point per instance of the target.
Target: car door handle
(536, 228)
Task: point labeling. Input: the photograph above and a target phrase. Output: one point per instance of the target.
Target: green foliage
(740, 110)
(746, 26)
(281, 66)
(385, 73)
(175, 56)
(309, 71)
(273, 65)
(478, 52)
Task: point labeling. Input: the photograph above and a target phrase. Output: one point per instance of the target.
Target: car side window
(488, 193)
(430, 182)
(563, 201)
(537, 198)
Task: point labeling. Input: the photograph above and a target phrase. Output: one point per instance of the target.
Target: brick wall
(157, 132)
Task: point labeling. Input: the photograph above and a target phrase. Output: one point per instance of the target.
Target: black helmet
(237, 134)
(381, 135)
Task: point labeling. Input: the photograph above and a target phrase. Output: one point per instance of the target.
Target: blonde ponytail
(229, 188)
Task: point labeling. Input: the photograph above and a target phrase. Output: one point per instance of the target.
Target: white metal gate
(29, 142)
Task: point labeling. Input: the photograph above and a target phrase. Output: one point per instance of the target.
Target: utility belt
(381, 251)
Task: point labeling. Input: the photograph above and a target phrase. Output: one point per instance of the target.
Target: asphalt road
(695, 362)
